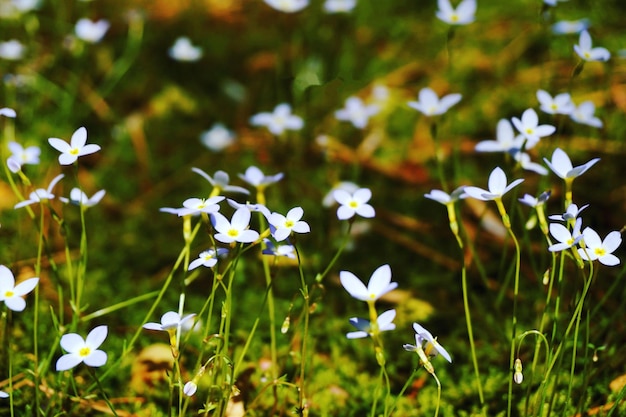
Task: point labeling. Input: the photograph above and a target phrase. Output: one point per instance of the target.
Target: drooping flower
(429, 103)
(357, 112)
(287, 6)
(200, 205)
(207, 258)
(424, 340)
(83, 350)
(79, 198)
(256, 178)
(566, 238)
(183, 50)
(584, 114)
(463, 14)
(378, 285)
(587, 52)
(531, 201)
(529, 126)
(40, 194)
(506, 140)
(384, 323)
(339, 6)
(12, 294)
(12, 50)
(284, 225)
(566, 27)
(561, 165)
(598, 249)
(22, 156)
(559, 104)
(356, 203)
(236, 230)
(220, 181)
(497, 186)
(77, 147)
(90, 31)
(279, 120)
(217, 138)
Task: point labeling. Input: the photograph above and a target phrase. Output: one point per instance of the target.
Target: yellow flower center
(289, 224)
(600, 252)
(233, 233)
(353, 204)
(84, 352)
(74, 151)
(8, 294)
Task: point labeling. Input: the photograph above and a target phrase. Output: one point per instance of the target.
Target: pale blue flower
(235, 230)
(384, 322)
(587, 52)
(429, 103)
(83, 350)
(566, 238)
(561, 165)
(183, 50)
(424, 340)
(357, 112)
(462, 15)
(378, 285)
(600, 250)
(584, 114)
(497, 186)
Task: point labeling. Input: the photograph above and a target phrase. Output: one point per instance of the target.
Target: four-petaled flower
(529, 126)
(462, 15)
(83, 350)
(559, 104)
(584, 114)
(40, 195)
(561, 165)
(563, 235)
(170, 322)
(200, 205)
(383, 322)
(379, 284)
(506, 140)
(79, 198)
(71, 151)
(284, 225)
(279, 120)
(425, 341)
(599, 249)
(12, 294)
(208, 258)
(497, 186)
(183, 50)
(356, 112)
(22, 156)
(90, 31)
(445, 198)
(236, 230)
(356, 203)
(429, 103)
(585, 49)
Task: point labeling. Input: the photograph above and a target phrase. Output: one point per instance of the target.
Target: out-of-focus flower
(584, 114)
(287, 6)
(356, 112)
(378, 285)
(76, 148)
(348, 186)
(339, 6)
(200, 205)
(524, 161)
(561, 165)
(22, 156)
(429, 103)
(566, 27)
(445, 198)
(598, 249)
(83, 350)
(40, 194)
(208, 258)
(553, 2)
(25, 6)
(90, 31)
(7, 112)
(506, 140)
(12, 294)
(12, 50)
(256, 178)
(184, 50)
(384, 323)
(356, 203)
(279, 120)
(463, 14)
(497, 186)
(79, 198)
(279, 249)
(217, 138)
(4, 394)
(220, 181)
(559, 104)
(283, 225)
(235, 230)
(169, 321)
(531, 201)
(587, 52)
(529, 126)
(190, 388)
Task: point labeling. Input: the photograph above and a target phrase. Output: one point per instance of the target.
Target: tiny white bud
(190, 388)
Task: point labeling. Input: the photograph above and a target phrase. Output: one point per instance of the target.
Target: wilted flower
(356, 203)
(12, 50)
(217, 138)
(83, 350)
(356, 112)
(462, 15)
(71, 151)
(383, 322)
(586, 52)
(279, 120)
(184, 50)
(583, 113)
(90, 31)
(12, 294)
(379, 284)
(429, 103)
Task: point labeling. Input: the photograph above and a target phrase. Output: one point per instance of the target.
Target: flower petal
(96, 337)
(68, 361)
(353, 285)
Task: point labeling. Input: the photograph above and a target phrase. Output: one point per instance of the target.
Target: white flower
(506, 140)
(255, 177)
(339, 6)
(40, 194)
(329, 200)
(424, 340)
(193, 206)
(79, 198)
(586, 52)
(563, 235)
(429, 103)
(236, 230)
(497, 186)
(524, 161)
(529, 126)
(12, 50)
(217, 138)
(4, 394)
(279, 120)
(378, 285)
(284, 225)
(25, 6)
(356, 112)
(599, 249)
(183, 50)
(71, 151)
(566, 27)
(583, 114)
(12, 294)
(356, 203)
(287, 6)
(462, 15)
(207, 258)
(170, 321)
(553, 2)
(83, 350)
(7, 112)
(383, 321)
(571, 213)
(280, 249)
(445, 198)
(90, 31)
(559, 104)
(22, 156)
(561, 165)
(220, 181)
